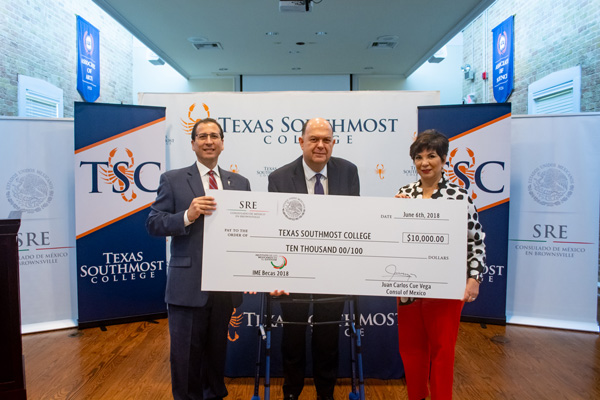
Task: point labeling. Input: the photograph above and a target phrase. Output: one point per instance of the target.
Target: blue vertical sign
(503, 59)
(88, 60)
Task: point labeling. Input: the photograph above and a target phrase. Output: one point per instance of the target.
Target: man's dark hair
(206, 121)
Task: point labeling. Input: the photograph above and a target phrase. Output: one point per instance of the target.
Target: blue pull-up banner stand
(119, 156)
(479, 161)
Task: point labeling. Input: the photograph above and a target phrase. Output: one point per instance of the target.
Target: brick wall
(550, 35)
(39, 39)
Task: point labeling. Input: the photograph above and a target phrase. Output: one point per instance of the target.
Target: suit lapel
(333, 182)
(298, 178)
(226, 180)
(195, 181)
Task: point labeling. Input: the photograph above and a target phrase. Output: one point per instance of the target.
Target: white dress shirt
(310, 177)
(204, 170)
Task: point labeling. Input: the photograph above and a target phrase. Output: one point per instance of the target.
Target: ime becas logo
(280, 265)
(121, 172)
(467, 172)
(188, 124)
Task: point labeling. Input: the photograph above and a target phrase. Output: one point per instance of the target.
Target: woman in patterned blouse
(428, 328)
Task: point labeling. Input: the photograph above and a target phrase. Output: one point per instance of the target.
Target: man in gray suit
(315, 172)
(198, 320)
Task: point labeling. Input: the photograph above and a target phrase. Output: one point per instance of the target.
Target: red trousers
(427, 332)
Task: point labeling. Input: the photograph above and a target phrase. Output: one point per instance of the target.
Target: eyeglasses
(202, 137)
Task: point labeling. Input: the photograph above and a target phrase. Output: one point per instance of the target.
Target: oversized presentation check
(335, 245)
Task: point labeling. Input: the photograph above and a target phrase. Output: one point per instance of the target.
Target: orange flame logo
(234, 322)
(468, 170)
(189, 124)
(380, 170)
(126, 169)
(234, 168)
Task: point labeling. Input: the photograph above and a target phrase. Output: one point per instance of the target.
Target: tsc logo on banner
(121, 172)
(463, 169)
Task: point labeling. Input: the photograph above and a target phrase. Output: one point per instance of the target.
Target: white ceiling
(419, 27)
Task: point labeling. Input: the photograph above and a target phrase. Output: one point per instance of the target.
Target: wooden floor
(492, 362)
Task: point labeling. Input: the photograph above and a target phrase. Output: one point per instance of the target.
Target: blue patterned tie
(318, 185)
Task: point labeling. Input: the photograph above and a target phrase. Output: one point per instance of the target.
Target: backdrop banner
(553, 252)
(37, 178)
(119, 156)
(479, 160)
(371, 129)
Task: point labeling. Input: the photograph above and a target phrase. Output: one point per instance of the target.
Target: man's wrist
(186, 220)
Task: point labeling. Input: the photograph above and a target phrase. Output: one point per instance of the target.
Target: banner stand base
(118, 321)
(483, 320)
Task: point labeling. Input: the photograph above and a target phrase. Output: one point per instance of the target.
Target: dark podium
(12, 373)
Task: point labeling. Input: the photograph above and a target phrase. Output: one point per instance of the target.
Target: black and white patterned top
(475, 234)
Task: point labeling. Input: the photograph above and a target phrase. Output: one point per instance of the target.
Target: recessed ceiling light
(296, 69)
(388, 38)
(300, 43)
(208, 46)
(272, 33)
(197, 39)
(223, 69)
(294, 52)
(383, 45)
(320, 33)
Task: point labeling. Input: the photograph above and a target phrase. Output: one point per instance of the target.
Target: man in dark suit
(315, 172)
(198, 320)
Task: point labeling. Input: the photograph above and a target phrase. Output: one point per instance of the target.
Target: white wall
(149, 78)
(445, 77)
(278, 83)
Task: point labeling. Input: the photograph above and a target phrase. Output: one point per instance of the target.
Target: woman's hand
(471, 291)
(402, 196)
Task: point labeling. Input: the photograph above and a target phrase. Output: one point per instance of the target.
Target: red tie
(212, 182)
